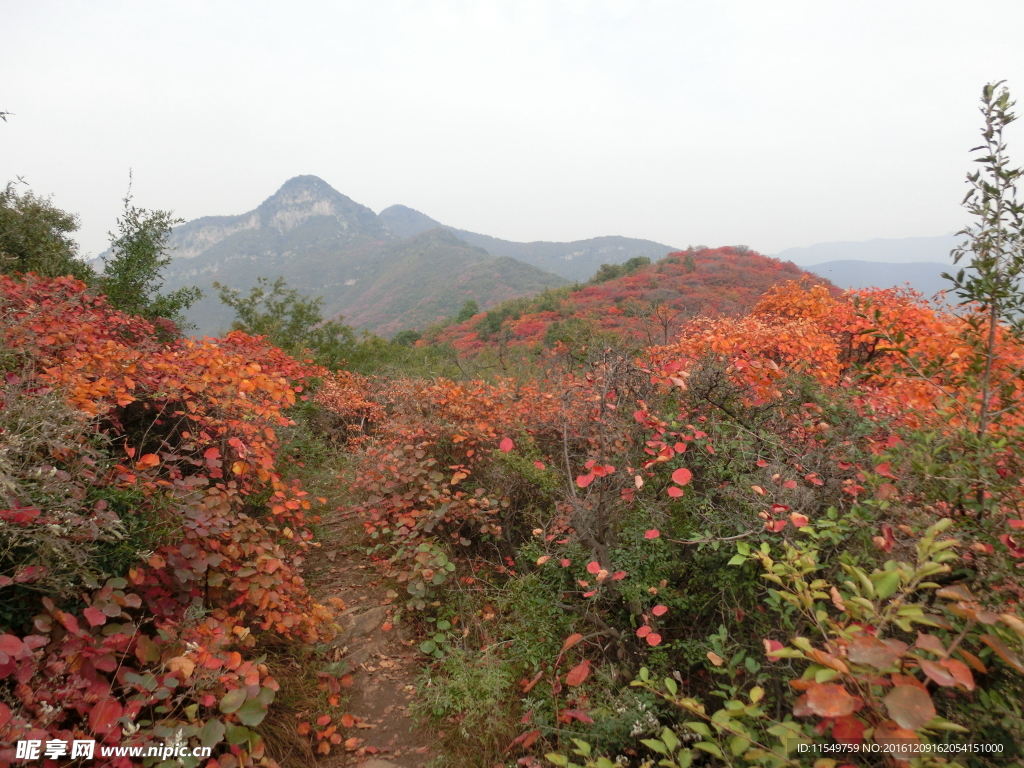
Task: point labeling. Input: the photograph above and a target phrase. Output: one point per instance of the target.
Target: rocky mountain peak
(303, 197)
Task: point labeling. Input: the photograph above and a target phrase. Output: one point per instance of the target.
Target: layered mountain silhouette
(881, 263)
(577, 260)
(400, 269)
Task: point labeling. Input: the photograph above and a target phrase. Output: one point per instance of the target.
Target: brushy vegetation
(754, 533)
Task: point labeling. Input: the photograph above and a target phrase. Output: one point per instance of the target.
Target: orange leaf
(1003, 651)
(831, 700)
(578, 673)
(960, 672)
(148, 460)
(909, 706)
(937, 673)
(571, 640)
(868, 649)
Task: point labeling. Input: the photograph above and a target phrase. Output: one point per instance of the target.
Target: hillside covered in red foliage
(647, 305)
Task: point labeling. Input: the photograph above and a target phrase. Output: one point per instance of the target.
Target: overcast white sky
(772, 124)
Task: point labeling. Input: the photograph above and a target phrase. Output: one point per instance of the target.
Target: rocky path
(381, 658)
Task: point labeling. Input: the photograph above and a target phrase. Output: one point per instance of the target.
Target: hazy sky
(772, 124)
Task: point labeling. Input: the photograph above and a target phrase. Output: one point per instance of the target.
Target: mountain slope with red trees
(646, 306)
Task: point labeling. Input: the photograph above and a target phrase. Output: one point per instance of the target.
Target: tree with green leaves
(131, 276)
(290, 321)
(995, 246)
(468, 311)
(35, 236)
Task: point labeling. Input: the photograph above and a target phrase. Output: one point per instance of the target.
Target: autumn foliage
(187, 431)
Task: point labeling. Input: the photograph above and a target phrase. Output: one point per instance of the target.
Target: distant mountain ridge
(925, 277)
(907, 250)
(384, 272)
(575, 260)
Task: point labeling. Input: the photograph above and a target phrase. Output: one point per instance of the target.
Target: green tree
(290, 321)
(995, 246)
(35, 236)
(469, 309)
(131, 276)
(406, 338)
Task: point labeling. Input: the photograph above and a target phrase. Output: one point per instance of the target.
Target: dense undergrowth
(777, 534)
(749, 519)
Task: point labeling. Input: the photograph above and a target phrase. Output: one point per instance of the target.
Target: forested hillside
(707, 511)
(636, 302)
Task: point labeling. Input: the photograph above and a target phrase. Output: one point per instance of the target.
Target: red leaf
(885, 470)
(103, 716)
(659, 610)
(618, 575)
(506, 445)
(578, 673)
(593, 567)
(653, 533)
(798, 520)
(790, 484)
(525, 739)
(95, 616)
(682, 476)
(643, 631)
(848, 730)
(539, 464)
(584, 480)
(566, 562)
(674, 491)
(772, 645)
(654, 639)
(568, 715)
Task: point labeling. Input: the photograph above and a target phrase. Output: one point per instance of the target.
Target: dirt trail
(383, 660)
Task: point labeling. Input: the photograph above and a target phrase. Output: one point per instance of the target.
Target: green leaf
(582, 747)
(428, 646)
(266, 696)
(656, 745)
(737, 560)
(232, 700)
(670, 739)
(710, 748)
(252, 712)
(887, 584)
(212, 733)
(557, 759)
(738, 745)
(699, 727)
(238, 734)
